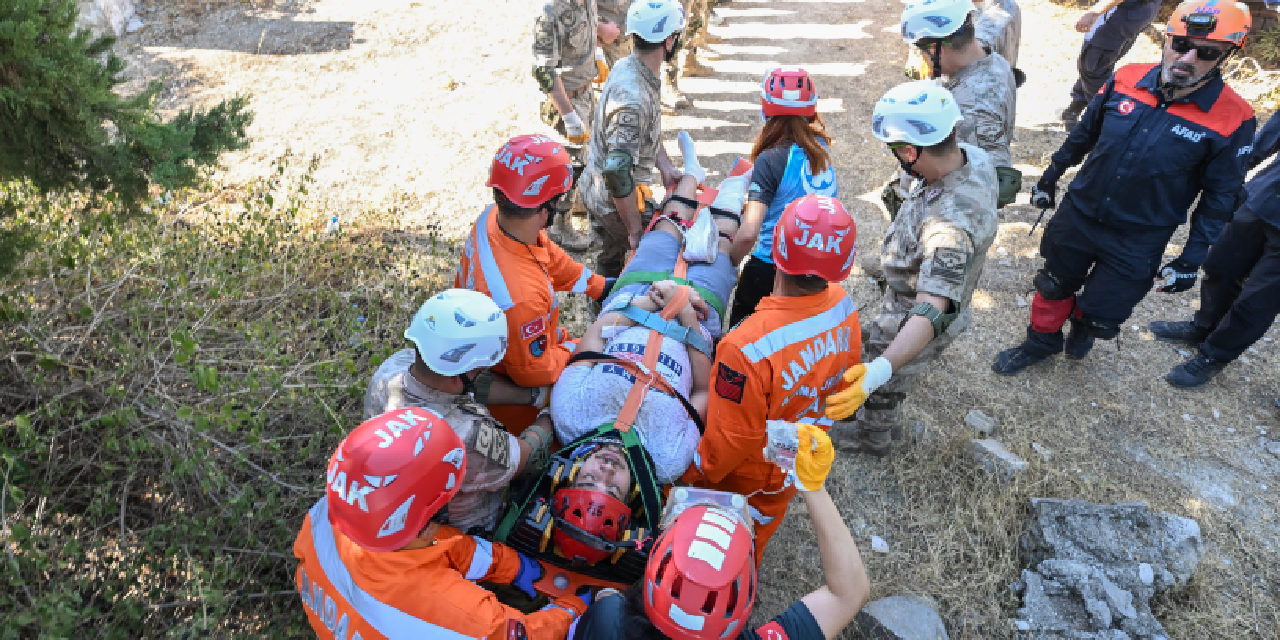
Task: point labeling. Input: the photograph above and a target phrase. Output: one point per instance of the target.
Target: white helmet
(459, 330)
(921, 113)
(654, 20)
(934, 18)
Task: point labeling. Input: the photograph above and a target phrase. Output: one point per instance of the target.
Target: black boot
(1079, 341)
(1196, 372)
(1036, 348)
(1185, 332)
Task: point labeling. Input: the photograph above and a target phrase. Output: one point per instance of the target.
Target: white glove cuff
(878, 372)
(572, 120)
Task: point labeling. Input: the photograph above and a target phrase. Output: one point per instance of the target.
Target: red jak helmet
(584, 514)
(815, 236)
(391, 474)
(788, 93)
(530, 170)
(701, 578)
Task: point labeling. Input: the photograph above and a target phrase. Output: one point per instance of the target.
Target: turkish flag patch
(532, 328)
(772, 631)
(730, 383)
(1125, 108)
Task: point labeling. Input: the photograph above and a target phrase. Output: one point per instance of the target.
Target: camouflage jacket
(629, 117)
(614, 11)
(1000, 27)
(986, 94)
(564, 41)
(938, 243)
(493, 455)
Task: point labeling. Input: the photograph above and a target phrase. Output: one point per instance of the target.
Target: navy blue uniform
(1148, 160)
(1110, 42)
(604, 618)
(1240, 293)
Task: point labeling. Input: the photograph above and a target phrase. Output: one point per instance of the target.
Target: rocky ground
(404, 102)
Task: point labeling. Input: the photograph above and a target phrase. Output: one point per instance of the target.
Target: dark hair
(804, 131)
(511, 209)
(963, 36)
(945, 148)
(807, 284)
(638, 626)
(644, 46)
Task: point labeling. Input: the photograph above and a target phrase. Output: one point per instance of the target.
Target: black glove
(608, 288)
(1178, 276)
(1043, 194)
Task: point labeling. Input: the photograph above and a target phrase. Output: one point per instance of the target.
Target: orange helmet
(1211, 20)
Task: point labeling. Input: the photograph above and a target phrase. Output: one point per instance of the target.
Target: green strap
(650, 277)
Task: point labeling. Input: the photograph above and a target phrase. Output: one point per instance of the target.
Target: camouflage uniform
(999, 26)
(493, 455)
(987, 97)
(628, 117)
(615, 11)
(937, 245)
(564, 46)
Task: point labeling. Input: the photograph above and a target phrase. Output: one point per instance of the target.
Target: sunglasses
(926, 44)
(1182, 44)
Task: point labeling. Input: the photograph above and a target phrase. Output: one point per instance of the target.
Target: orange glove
(602, 69)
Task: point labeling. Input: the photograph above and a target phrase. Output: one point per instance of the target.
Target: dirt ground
(405, 102)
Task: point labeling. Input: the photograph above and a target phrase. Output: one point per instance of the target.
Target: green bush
(169, 395)
(1264, 46)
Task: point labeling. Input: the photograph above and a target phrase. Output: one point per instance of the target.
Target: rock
(997, 458)
(105, 17)
(879, 545)
(1042, 450)
(1022, 302)
(984, 424)
(1092, 569)
(901, 617)
(134, 24)
(1273, 447)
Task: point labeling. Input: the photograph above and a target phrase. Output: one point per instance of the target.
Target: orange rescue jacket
(522, 279)
(352, 593)
(779, 364)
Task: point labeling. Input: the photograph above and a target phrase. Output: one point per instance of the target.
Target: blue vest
(797, 182)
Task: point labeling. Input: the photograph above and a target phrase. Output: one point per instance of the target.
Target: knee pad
(1101, 329)
(1049, 287)
(617, 174)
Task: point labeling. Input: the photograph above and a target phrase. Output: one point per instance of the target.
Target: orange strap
(630, 408)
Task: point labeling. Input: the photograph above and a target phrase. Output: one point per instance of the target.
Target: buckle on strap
(669, 328)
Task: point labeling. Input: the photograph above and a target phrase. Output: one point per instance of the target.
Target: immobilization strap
(631, 407)
(669, 328)
(649, 376)
(650, 277)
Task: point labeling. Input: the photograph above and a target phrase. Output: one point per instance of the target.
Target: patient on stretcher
(591, 393)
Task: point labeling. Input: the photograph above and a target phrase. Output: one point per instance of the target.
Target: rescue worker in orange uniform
(376, 559)
(783, 360)
(509, 257)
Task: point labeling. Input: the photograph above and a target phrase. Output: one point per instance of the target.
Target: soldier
(980, 80)
(1110, 28)
(615, 13)
(933, 255)
(564, 43)
(999, 26)
(626, 138)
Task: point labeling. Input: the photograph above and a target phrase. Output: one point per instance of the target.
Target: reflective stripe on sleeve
(481, 560)
(799, 331)
(760, 518)
(489, 265)
(581, 286)
(388, 620)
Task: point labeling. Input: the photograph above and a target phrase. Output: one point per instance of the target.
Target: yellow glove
(814, 457)
(575, 129)
(863, 379)
(602, 69)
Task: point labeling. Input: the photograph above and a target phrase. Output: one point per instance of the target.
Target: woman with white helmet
(456, 334)
(932, 257)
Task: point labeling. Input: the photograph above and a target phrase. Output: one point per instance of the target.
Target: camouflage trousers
(883, 409)
(584, 103)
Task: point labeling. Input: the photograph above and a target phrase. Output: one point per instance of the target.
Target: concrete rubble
(1092, 569)
(997, 458)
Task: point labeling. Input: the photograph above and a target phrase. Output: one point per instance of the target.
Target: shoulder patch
(492, 442)
(948, 265)
(772, 631)
(538, 346)
(730, 384)
(533, 328)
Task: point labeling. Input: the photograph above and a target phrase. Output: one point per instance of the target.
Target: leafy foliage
(63, 128)
(169, 395)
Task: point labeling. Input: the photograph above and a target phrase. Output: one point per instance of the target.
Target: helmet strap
(935, 61)
(667, 56)
(907, 166)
